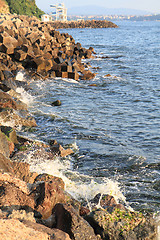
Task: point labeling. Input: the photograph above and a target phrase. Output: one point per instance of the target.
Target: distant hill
(97, 10)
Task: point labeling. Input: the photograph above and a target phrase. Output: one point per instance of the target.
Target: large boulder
(69, 221)
(122, 224)
(47, 195)
(15, 229)
(14, 192)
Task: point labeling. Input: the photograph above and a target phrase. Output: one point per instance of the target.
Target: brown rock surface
(21, 170)
(47, 195)
(4, 146)
(47, 178)
(57, 149)
(6, 164)
(13, 229)
(69, 221)
(14, 192)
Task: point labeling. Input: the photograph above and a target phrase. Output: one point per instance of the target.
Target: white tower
(59, 12)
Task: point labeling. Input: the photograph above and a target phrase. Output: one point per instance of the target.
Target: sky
(147, 5)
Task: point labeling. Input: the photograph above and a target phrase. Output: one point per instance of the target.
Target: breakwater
(84, 24)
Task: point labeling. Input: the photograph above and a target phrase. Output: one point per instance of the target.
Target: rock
(10, 133)
(4, 146)
(20, 55)
(107, 202)
(14, 229)
(22, 215)
(73, 75)
(84, 211)
(37, 46)
(84, 24)
(21, 170)
(54, 234)
(6, 101)
(56, 103)
(69, 221)
(47, 195)
(10, 117)
(122, 224)
(107, 75)
(93, 85)
(87, 75)
(14, 193)
(6, 164)
(8, 80)
(7, 48)
(47, 178)
(57, 149)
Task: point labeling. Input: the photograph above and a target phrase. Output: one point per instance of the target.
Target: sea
(112, 122)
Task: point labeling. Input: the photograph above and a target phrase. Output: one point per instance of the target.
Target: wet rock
(122, 224)
(8, 80)
(87, 75)
(106, 201)
(69, 221)
(47, 178)
(56, 103)
(84, 211)
(6, 101)
(93, 85)
(57, 149)
(107, 75)
(10, 117)
(47, 195)
(73, 75)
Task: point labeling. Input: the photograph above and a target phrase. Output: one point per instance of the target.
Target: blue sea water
(115, 124)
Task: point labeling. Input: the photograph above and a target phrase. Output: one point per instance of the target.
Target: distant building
(59, 12)
(46, 18)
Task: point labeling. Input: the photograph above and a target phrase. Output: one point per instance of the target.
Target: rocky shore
(32, 205)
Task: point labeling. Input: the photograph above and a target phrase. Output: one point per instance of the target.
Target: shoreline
(40, 200)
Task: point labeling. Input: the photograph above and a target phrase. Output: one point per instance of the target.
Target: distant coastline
(152, 17)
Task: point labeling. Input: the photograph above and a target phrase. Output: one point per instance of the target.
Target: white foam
(25, 97)
(7, 123)
(70, 80)
(20, 76)
(78, 185)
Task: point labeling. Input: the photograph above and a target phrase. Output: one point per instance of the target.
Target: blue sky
(149, 5)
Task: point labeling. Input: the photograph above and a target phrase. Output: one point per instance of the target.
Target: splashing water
(20, 76)
(81, 187)
(25, 96)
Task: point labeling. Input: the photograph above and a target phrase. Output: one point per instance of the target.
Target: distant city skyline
(152, 6)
